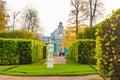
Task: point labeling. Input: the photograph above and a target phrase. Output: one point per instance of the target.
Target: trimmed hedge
(82, 51)
(87, 33)
(8, 54)
(45, 52)
(108, 47)
(17, 34)
(14, 51)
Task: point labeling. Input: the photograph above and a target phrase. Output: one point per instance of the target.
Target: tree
(75, 13)
(93, 10)
(15, 14)
(70, 35)
(2, 15)
(85, 10)
(31, 20)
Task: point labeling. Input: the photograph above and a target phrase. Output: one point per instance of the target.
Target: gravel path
(4, 77)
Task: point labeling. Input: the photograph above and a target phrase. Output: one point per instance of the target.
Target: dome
(60, 25)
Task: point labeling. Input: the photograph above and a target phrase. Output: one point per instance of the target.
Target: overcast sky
(51, 12)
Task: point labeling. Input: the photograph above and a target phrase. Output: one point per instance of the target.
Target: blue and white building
(57, 39)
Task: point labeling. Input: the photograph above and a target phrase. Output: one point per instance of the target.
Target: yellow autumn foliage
(70, 35)
(2, 15)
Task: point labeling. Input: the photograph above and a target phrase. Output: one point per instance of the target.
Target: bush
(81, 35)
(20, 51)
(87, 33)
(82, 51)
(44, 52)
(17, 34)
(4, 34)
(8, 53)
(108, 47)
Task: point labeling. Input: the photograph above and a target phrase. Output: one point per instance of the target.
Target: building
(56, 39)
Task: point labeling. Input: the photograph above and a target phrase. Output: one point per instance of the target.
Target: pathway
(4, 77)
(59, 60)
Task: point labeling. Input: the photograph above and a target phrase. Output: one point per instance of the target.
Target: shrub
(44, 52)
(82, 51)
(81, 35)
(17, 34)
(8, 54)
(14, 51)
(108, 47)
(87, 33)
(4, 34)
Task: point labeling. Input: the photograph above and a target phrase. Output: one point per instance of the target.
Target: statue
(50, 56)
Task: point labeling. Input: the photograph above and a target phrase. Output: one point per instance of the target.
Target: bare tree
(15, 14)
(95, 9)
(85, 10)
(31, 20)
(75, 13)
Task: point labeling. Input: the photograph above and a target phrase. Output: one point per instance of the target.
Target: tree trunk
(90, 3)
(77, 24)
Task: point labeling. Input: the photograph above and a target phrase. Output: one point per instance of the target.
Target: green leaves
(108, 45)
(87, 33)
(82, 51)
(17, 34)
(14, 51)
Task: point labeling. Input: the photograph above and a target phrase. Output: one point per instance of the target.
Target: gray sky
(51, 12)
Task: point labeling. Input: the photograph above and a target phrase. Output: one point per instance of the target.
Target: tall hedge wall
(17, 34)
(82, 51)
(14, 51)
(108, 47)
(45, 52)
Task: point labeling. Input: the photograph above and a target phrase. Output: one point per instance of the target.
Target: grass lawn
(40, 68)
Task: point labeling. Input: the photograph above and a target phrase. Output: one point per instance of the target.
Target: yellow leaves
(69, 41)
(113, 25)
(111, 59)
(113, 28)
(70, 36)
(96, 33)
(115, 57)
(109, 40)
(107, 44)
(113, 51)
(107, 53)
(2, 17)
(118, 60)
(113, 38)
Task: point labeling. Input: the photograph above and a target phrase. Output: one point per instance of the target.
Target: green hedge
(17, 34)
(108, 47)
(14, 51)
(87, 33)
(8, 53)
(45, 52)
(82, 51)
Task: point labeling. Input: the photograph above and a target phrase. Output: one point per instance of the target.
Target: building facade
(56, 39)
